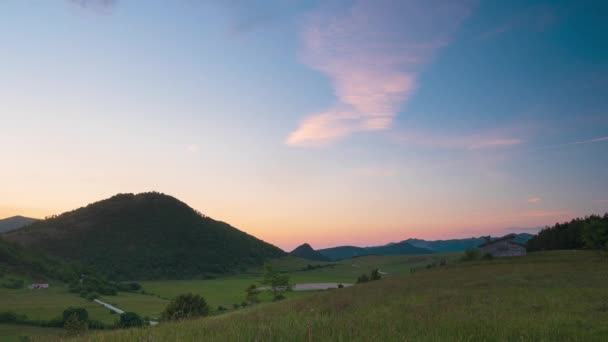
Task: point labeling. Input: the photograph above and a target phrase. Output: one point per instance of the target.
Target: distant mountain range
(145, 236)
(406, 247)
(15, 222)
(458, 245)
(305, 251)
(347, 252)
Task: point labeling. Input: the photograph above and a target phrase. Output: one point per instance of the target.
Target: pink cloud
(372, 52)
(534, 200)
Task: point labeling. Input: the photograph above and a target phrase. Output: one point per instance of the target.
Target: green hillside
(545, 296)
(145, 236)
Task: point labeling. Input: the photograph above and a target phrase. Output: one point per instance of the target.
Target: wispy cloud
(534, 200)
(535, 19)
(372, 52)
(581, 142)
(546, 213)
(467, 142)
(97, 5)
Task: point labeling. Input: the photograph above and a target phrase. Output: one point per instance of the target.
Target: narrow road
(113, 308)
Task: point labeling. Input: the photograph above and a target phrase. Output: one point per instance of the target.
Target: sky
(329, 122)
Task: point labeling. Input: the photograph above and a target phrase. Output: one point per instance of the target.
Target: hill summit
(305, 251)
(145, 236)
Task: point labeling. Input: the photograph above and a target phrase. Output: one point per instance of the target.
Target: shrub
(8, 317)
(487, 256)
(340, 286)
(129, 320)
(252, 294)
(12, 283)
(471, 254)
(81, 314)
(362, 279)
(221, 308)
(74, 325)
(185, 306)
(375, 275)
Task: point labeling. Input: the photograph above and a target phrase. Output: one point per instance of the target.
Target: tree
(75, 325)
(362, 279)
(129, 320)
(595, 234)
(81, 313)
(252, 294)
(185, 306)
(471, 254)
(278, 282)
(375, 275)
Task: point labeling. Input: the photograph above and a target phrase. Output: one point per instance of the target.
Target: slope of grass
(550, 296)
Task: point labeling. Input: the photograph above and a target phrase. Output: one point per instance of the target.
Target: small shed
(503, 247)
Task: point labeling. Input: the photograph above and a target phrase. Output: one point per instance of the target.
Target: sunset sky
(328, 122)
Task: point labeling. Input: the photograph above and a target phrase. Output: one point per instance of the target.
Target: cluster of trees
(589, 232)
(374, 275)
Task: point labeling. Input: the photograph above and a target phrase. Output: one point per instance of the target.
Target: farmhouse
(503, 247)
(39, 286)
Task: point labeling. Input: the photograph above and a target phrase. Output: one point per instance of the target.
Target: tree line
(590, 232)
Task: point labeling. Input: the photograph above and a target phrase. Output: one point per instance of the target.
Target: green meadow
(50, 303)
(545, 296)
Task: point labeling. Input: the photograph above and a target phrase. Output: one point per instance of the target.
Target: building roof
(509, 237)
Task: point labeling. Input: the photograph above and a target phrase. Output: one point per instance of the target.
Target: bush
(74, 325)
(129, 320)
(362, 279)
(471, 254)
(12, 283)
(340, 286)
(375, 275)
(251, 294)
(221, 308)
(8, 317)
(185, 306)
(487, 256)
(81, 314)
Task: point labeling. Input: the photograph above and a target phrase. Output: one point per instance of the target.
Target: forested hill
(588, 232)
(145, 236)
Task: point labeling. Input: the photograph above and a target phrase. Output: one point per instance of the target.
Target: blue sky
(329, 122)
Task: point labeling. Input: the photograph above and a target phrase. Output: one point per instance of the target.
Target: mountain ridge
(15, 222)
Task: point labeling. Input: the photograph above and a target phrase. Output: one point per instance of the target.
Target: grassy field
(231, 290)
(48, 304)
(547, 296)
(18, 333)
